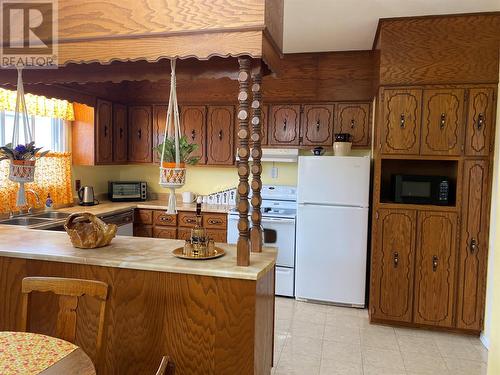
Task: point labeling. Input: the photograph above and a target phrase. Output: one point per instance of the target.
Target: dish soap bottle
(49, 203)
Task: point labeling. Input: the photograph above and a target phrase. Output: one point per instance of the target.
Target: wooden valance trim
(182, 46)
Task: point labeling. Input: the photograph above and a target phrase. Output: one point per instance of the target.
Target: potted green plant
(22, 159)
(185, 151)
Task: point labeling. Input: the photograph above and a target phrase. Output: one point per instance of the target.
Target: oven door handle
(276, 220)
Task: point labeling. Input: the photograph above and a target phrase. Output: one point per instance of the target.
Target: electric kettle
(86, 196)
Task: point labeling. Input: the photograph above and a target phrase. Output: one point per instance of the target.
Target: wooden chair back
(68, 291)
(166, 367)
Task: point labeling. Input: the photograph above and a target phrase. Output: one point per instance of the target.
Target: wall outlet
(78, 184)
(274, 172)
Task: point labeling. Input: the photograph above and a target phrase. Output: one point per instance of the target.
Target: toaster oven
(127, 191)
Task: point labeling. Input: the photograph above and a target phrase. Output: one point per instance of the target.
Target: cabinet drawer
(184, 233)
(141, 230)
(217, 235)
(143, 216)
(187, 219)
(162, 218)
(215, 221)
(165, 233)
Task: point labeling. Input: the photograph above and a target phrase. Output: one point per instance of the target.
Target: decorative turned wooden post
(256, 137)
(243, 244)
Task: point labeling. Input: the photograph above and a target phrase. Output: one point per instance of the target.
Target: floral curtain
(38, 105)
(52, 176)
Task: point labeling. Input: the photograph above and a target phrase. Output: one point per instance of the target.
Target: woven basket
(172, 177)
(87, 231)
(22, 171)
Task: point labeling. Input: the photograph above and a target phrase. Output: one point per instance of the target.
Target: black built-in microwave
(416, 189)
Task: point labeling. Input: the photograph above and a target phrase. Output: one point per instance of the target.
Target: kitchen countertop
(148, 254)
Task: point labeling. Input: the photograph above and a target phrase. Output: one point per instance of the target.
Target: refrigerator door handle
(309, 204)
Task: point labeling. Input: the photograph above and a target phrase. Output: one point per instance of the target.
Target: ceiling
(346, 25)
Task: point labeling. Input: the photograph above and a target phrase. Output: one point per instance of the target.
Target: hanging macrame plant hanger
(21, 171)
(172, 174)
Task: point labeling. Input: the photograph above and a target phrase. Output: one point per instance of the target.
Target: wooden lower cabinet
(158, 224)
(435, 268)
(141, 230)
(393, 265)
(473, 248)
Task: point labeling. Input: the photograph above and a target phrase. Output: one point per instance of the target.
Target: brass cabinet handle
(402, 121)
(193, 134)
(166, 218)
(105, 131)
(442, 121)
(353, 123)
(434, 263)
(284, 125)
(473, 245)
(317, 125)
(190, 220)
(139, 133)
(121, 132)
(214, 221)
(396, 259)
(220, 135)
(480, 121)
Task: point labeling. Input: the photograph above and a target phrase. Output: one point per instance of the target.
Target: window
(50, 133)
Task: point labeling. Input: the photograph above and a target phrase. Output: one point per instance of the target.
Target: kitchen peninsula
(204, 314)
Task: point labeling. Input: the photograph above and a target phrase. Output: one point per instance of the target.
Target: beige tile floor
(313, 339)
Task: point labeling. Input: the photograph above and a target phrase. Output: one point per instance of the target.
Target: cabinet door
(141, 230)
(472, 261)
(265, 124)
(193, 122)
(159, 123)
(163, 219)
(317, 125)
(160, 232)
(217, 235)
(120, 133)
(442, 122)
(354, 118)
(183, 233)
(478, 128)
(401, 119)
(393, 265)
(104, 132)
(284, 126)
(435, 268)
(220, 135)
(140, 134)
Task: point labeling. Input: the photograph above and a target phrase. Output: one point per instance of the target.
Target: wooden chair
(68, 291)
(166, 367)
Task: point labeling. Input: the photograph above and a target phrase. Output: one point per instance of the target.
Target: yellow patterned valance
(38, 105)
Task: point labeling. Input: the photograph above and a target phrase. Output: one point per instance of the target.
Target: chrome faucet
(37, 198)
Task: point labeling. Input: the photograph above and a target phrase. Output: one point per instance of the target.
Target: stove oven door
(280, 233)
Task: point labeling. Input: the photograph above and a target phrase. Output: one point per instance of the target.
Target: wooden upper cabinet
(354, 118)
(478, 128)
(435, 268)
(220, 135)
(393, 265)
(284, 125)
(317, 125)
(401, 119)
(442, 122)
(104, 132)
(193, 123)
(473, 247)
(140, 134)
(120, 133)
(159, 123)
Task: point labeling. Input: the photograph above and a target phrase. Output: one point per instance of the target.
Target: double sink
(38, 219)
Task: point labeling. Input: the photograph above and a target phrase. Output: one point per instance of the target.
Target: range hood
(280, 155)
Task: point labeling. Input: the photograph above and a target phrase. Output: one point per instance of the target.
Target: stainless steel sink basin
(25, 221)
(52, 215)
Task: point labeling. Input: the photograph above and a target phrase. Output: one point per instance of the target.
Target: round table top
(32, 353)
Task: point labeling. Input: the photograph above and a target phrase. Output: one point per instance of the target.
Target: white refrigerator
(332, 229)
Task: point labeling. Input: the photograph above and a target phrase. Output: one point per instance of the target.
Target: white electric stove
(279, 210)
